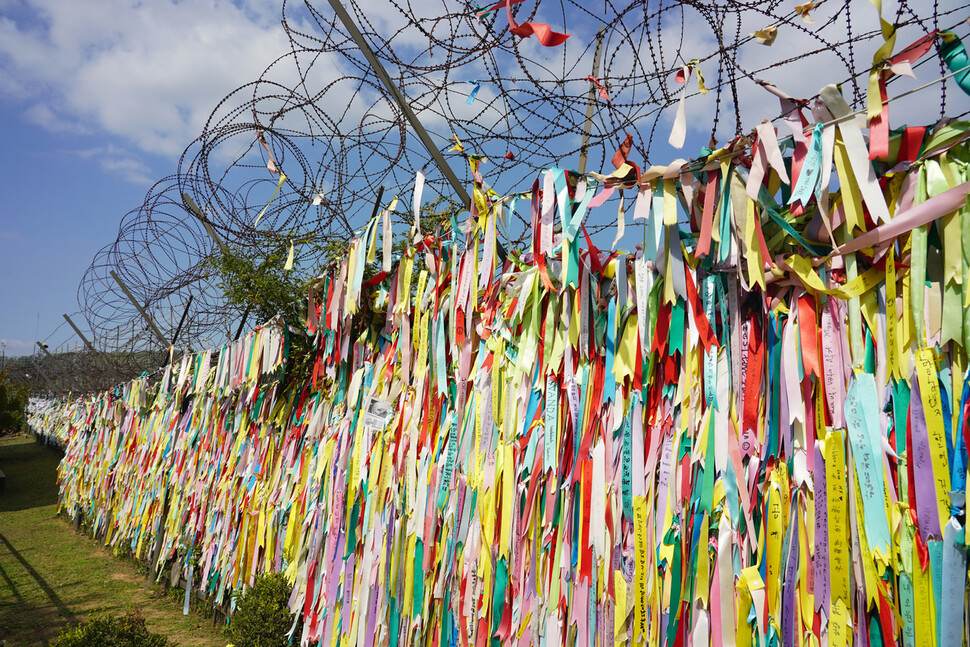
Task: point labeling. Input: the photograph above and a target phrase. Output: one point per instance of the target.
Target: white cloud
(152, 73)
(16, 347)
(129, 169)
(803, 78)
(118, 161)
(42, 115)
(148, 72)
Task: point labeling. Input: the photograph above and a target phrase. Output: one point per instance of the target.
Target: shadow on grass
(10, 584)
(51, 594)
(31, 471)
(52, 577)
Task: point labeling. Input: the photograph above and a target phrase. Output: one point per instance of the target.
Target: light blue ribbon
(474, 93)
(808, 181)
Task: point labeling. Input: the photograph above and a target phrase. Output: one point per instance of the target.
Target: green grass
(52, 576)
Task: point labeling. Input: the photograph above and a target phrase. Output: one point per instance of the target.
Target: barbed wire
(333, 131)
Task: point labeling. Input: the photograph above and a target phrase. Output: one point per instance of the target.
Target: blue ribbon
(471, 97)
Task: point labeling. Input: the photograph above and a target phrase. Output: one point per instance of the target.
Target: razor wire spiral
(336, 134)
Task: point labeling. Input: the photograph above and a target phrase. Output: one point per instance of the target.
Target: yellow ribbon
(279, 185)
(854, 288)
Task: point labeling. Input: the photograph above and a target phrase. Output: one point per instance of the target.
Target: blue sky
(99, 98)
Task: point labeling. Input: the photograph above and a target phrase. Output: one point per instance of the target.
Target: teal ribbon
(768, 204)
(724, 248)
(955, 57)
(808, 180)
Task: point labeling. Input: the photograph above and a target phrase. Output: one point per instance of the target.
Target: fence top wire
(331, 129)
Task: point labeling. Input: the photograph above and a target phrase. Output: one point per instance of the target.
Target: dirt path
(51, 576)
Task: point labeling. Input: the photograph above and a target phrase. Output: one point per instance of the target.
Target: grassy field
(51, 576)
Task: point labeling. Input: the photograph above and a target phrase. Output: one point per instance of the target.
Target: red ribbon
(752, 383)
(599, 86)
(704, 329)
(622, 153)
(912, 143)
(704, 244)
(879, 125)
(619, 157)
(541, 31)
(808, 329)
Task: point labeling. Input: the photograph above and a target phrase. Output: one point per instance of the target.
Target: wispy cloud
(151, 73)
(15, 347)
(148, 72)
(129, 169)
(10, 235)
(42, 115)
(804, 77)
(119, 162)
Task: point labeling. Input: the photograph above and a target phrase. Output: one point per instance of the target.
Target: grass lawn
(51, 576)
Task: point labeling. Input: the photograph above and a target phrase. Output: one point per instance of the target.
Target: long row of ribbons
(752, 430)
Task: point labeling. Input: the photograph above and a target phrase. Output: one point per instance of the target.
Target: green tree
(259, 283)
(111, 631)
(436, 217)
(13, 405)
(254, 279)
(261, 618)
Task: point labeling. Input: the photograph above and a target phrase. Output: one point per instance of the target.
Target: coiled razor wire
(335, 133)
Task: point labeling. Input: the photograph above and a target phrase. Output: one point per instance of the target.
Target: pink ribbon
(599, 86)
(923, 213)
(541, 31)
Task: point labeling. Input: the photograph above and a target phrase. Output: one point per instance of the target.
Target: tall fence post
(412, 118)
(141, 311)
(182, 321)
(591, 101)
(80, 334)
(40, 372)
(400, 100)
(194, 208)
